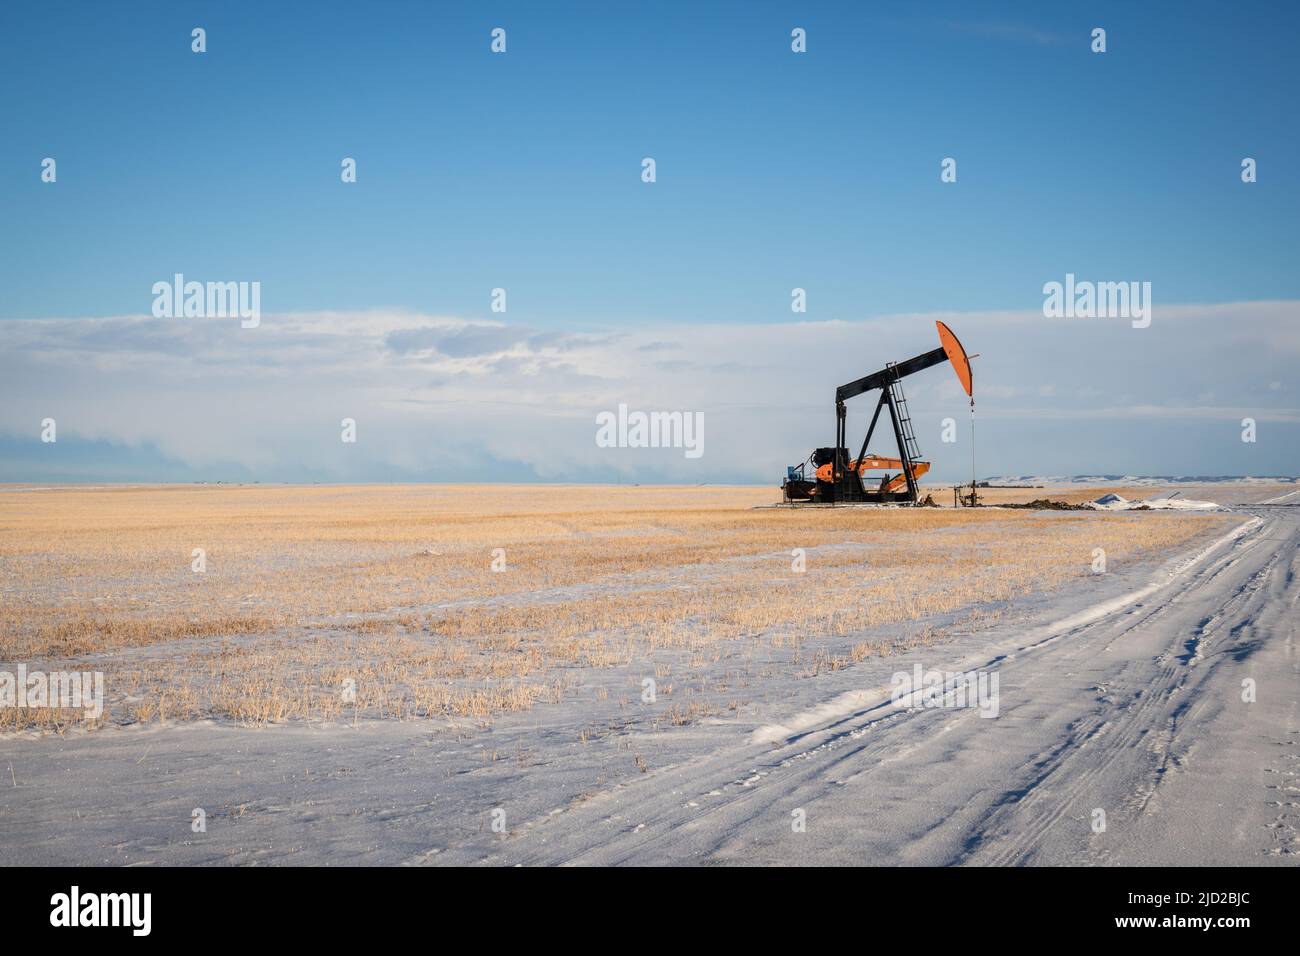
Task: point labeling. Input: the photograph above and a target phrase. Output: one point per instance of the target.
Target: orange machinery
(876, 463)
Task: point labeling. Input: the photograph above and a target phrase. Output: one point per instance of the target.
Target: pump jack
(837, 479)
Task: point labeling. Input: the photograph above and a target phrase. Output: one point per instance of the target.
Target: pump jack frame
(838, 478)
(847, 484)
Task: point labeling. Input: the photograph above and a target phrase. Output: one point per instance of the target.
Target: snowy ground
(1124, 696)
(1233, 483)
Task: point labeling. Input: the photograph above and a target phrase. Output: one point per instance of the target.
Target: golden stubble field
(309, 593)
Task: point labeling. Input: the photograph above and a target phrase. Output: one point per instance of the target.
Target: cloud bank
(439, 398)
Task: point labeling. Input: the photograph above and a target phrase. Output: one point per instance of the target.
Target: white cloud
(441, 397)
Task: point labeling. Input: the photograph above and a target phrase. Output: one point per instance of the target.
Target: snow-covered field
(1150, 715)
(1153, 481)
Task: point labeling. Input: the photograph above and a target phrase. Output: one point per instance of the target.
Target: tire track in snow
(1107, 703)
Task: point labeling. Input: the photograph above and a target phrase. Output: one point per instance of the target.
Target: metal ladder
(911, 451)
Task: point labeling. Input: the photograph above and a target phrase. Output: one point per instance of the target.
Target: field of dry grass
(309, 591)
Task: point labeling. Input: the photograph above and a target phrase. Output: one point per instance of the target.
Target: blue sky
(522, 171)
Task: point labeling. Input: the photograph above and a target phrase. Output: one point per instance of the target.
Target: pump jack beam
(887, 376)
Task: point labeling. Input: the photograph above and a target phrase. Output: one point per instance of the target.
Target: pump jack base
(848, 490)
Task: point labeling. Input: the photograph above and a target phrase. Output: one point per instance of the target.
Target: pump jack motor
(837, 479)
